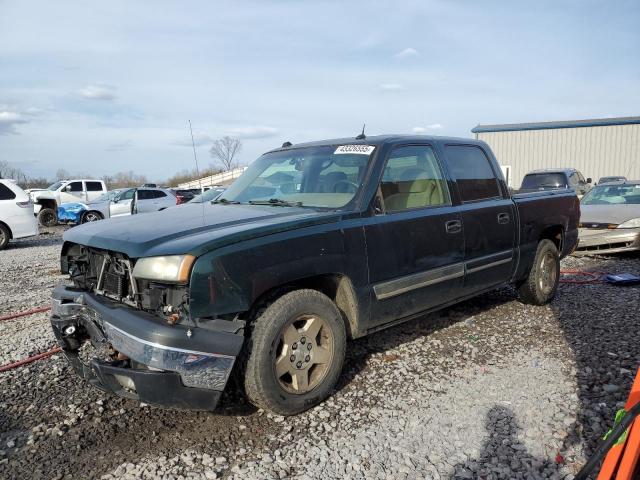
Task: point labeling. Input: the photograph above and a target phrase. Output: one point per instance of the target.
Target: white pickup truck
(46, 202)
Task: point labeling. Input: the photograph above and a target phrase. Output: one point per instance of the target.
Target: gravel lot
(489, 388)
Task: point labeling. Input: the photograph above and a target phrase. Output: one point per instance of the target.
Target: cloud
(249, 133)
(433, 126)
(407, 52)
(10, 117)
(391, 86)
(119, 147)
(99, 91)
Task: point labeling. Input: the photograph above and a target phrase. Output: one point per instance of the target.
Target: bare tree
(9, 171)
(225, 150)
(62, 174)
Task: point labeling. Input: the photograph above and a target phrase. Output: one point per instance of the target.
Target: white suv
(65, 191)
(16, 213)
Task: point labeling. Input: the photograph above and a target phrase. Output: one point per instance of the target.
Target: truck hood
(608, 213)
(193, 229)
(43, 195)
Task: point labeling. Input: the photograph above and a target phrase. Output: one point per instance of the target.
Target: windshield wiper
(224, 201)
(276, 202)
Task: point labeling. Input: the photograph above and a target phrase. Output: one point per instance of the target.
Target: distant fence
(223, 178)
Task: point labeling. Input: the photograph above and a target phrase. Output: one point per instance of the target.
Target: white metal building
(598, 148)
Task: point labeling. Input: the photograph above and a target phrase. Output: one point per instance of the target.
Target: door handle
(453, 226)
(503, 218)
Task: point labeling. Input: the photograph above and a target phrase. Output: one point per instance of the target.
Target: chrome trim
(488, 265)
(401, 285)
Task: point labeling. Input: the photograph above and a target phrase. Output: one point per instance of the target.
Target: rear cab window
(94, 186)
(544, 181)
(473, 173)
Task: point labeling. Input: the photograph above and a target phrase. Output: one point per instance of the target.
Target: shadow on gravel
(359, 351)
(600, 325)
(502, 453)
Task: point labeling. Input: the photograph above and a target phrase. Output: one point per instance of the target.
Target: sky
(101, 87)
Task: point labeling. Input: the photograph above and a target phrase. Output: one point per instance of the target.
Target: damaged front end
(135, 338)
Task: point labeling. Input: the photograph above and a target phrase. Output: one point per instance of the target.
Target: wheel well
(336, 286)
(48, 204)
(8, 228)
(555, 234)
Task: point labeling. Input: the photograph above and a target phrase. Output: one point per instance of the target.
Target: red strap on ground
(585, 277)
(25, 313)
(33, 358)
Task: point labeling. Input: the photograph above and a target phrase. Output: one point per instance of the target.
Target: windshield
(325, 176)
(207, 196)
(110, 195)
(543, 181)
(612, 195)
(55, 186)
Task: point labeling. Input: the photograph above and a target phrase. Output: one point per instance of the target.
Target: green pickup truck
(313, 245)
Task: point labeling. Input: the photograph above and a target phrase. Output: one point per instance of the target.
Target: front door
(415, 246)
(72, 192)
(488, 217)
(121, 205)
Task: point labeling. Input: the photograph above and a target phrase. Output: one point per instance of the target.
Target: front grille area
(115, 284)
(604, 246)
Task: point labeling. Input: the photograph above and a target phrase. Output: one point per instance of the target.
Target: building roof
(595, 122)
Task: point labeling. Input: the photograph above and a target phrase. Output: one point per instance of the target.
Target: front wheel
(90, 216)
(295, 353)
(542, 283)
(47, 217)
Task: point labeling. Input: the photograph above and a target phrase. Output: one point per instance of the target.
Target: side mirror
(589, 180)
(67, 188)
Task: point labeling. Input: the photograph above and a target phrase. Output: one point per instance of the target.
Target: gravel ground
(489, 388)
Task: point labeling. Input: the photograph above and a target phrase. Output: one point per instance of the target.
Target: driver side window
(413, 179)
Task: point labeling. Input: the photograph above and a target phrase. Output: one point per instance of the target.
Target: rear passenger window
(94, 186)
(145, 194)
(158, 194)
(6, 193)
(473, 173)
(412, 179)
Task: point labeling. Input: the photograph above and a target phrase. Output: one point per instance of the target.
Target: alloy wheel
(303, 354)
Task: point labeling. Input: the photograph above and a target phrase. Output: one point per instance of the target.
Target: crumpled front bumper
(594, 241)
(166, 366)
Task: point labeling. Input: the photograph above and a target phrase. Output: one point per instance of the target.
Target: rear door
(94, 189)
(488, 216)
(415, 245)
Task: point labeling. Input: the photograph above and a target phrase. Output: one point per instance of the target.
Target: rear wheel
(47, 217)
(91, 217)
(542, 283)
(5, 235)
(295, 353)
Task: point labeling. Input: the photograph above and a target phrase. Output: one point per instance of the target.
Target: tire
(542, 283)
(91, 216)
(278, 344)
(5, 235)
(47, 217)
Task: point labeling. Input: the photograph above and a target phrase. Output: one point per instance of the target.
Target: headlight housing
(633, 223)
(171, 268)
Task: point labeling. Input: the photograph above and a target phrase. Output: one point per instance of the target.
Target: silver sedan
(610, 219)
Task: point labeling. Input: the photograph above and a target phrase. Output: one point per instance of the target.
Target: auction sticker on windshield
(360, 149)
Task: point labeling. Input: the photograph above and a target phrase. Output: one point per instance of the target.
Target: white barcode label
(359, 149)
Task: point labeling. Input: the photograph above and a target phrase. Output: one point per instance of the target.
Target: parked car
(65, 191)
(16, 213)
(313, 245)
(551, 179)
(611, 179)
(610, 220)
(185, 195)
(208, 195)
(125, 201)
